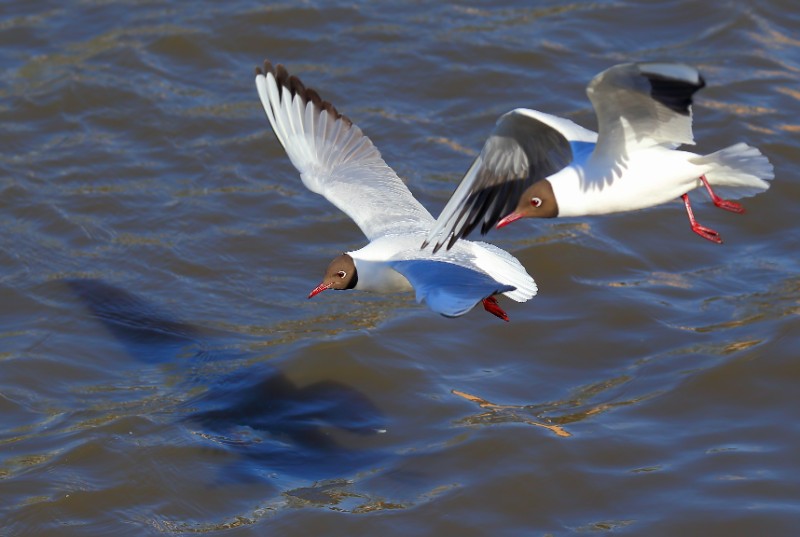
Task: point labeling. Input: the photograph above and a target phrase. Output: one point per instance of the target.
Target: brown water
(161, 370)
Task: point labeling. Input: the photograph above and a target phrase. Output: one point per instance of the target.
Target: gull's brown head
(537, 201)
(340, 274)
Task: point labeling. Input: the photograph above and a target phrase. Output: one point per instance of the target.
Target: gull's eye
(536, 202)
(341, 274)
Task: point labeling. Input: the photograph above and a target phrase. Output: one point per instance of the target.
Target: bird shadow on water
(272, 426)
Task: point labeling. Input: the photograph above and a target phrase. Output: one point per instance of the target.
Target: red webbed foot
(491, 305)
(705, 232)
(728, 205)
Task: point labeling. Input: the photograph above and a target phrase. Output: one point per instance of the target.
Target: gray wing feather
(521, 150)
(335, 159)
(643, 105)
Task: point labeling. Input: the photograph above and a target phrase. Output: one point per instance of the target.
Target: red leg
(728, 205)
(703, 231)
(490, 304)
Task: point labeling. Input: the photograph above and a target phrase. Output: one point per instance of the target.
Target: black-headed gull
(335, 159)
(538, 165)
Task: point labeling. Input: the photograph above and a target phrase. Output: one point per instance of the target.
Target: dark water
(162, 372)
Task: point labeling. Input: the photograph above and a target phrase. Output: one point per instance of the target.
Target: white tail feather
(737, 171)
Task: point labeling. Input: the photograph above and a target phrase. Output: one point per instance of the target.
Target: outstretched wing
(640, 105)
(449, 289)
(335, 159)
(525, 146)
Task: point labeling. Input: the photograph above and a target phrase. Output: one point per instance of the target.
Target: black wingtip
(453, 238)
(674, 92)
(281, 74)
(296, 87)
(314, 97)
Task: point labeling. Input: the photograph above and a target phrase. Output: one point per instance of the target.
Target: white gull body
(644, 114)
(336, 160)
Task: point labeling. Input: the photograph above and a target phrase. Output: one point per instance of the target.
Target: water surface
(161, 370)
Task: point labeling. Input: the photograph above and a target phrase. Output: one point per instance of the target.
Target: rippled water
(162, 372)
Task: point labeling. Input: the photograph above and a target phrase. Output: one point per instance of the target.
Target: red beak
(513, 217)
(318, 289)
